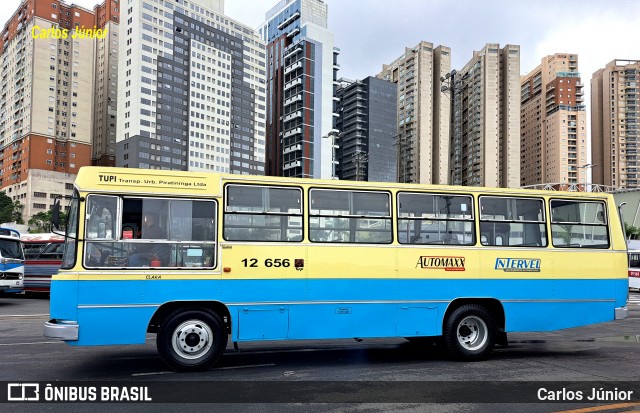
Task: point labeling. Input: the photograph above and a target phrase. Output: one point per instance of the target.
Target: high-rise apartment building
(302, 74)
(106, 84)
(191, 92)
(366, 149)
(48, 54)
(615, 115)
(553, 144)
(486, 117)
(423, 113)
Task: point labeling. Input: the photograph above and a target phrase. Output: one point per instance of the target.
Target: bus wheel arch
(471, 328)
(167, 308)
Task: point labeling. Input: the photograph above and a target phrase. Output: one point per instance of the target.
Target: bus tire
(469, 333)
(191, 339)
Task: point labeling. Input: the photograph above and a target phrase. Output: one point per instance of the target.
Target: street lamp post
(455, 87)
(403, 142)
(360, 160)
(334, 135)
(587, 167)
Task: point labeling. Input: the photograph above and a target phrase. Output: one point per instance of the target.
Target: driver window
(144, 232)
(101, 217)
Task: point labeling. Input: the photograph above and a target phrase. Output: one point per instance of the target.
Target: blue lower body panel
(118, 312)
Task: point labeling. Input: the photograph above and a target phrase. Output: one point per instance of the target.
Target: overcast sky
(372, 32)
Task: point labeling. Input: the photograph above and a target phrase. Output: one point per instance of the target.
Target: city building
(106, 85)
(191, 92)
(367, 124)
(302, 73)
(486, 116)
(615, 114)
(423, 113)
(48, 53)
(553, 144)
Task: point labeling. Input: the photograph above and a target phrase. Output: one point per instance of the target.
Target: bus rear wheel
(469, 332)
(191, 340)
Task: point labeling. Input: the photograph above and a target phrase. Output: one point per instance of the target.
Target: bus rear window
(579, 224)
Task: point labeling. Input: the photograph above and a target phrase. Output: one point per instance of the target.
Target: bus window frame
(606, 222)
(121, 240)
(472, 219)
(225, 211)
(545, 220)
(390, 217)
(46, 247)
(116, 219)
(75, 197)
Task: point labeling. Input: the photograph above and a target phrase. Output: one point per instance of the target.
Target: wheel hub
(192, 339)
(472, 333)
(465, 331)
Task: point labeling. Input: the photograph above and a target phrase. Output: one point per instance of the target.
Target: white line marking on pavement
(23, 315)
(27, 344)
(245, 367)
(152, 373)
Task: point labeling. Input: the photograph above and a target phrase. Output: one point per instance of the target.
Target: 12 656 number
(269, 262)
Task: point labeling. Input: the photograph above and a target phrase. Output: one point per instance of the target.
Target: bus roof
(44, 237)
(209, 184)
(9, 232)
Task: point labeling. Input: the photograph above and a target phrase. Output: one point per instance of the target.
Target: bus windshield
(11, 249)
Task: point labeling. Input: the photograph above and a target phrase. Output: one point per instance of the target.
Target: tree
(16, 215)
(631, 232)
(41, 222)
(6, 208)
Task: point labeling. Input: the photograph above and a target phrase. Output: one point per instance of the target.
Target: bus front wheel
(191, 340)
(469, 332)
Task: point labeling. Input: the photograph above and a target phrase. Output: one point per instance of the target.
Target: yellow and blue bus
(201, 258)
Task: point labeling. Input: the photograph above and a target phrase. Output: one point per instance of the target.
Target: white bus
(11, 261)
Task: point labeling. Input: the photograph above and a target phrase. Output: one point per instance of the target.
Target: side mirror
(55, 213)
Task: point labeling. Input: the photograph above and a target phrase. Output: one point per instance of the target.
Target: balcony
(288, 21)
(295, 82)
(293, 99)
(290, 51)
(292, 132)
(296, 65)
(294, 115)
(292, 148)
(293, 32)
(290, 165)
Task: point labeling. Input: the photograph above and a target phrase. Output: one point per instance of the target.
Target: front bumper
(621, 313)
(61, 330)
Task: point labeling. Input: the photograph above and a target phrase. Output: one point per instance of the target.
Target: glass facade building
(301, 74)
(367, 124)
